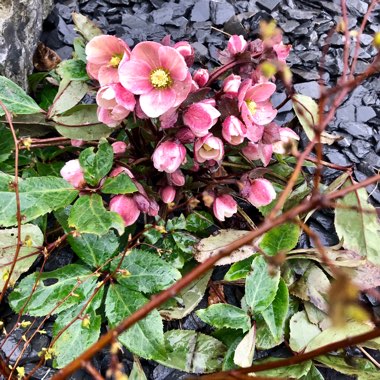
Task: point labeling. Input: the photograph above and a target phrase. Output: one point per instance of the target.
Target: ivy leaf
(147, 272)
(121, 184)
(239, 270)
(295, 371)
(15, 99)
(38, 196)
(359, 230)
(31, 238)
(193, 352)
(6, 143)
(96, 165)
(187, 299)
(75, 337)
(275, 314)
(245, 350)
(280, 239)
(52, 289)
(302, 331)
(88, 215)
(199, 221)
(81, 123)
(73, 69)
(145, 338)
(224, 315)
(261, 286)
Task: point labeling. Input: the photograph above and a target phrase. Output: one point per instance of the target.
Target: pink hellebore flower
(258, 151)
(200, 117)
(126, 207)
(104, 54)
(167, 194)
(169, 156)
(208, 148)
(231, 84)
(237, 44)
(259, 192)
(286, 135)
(224, 207)
(119, 147)
(177, 178)
(201, 77)
(73, 173)
(158, 74)
(233, 130)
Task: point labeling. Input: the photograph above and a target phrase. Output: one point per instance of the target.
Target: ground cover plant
(174, 170)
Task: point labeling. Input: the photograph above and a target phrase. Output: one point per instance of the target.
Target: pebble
(364, 114)
(311, 89)
(221, 12)
(358, 130)
(201, 11)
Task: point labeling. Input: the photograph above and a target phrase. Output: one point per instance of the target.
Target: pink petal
(124, 97)
(255, 132)
(266, 151)
(135, 76)
(147, 52)
(108, 75)
(171, 60)
(157, 102)
(264, 114)
(182, 89)
(261, 192)
(242, 91)
(93, 70)
(126, 207)
(260, 92)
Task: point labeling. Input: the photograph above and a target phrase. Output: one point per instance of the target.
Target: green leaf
(302, 331)
(239, 270)
(121, 184)
(31, 238)
(359, 230)
(261, 286)
(193, 352)
(147, 272)
(86, 27)
(53, 291)
(88, 215)
(295, 371)
(188, 299)
(33, 125)
(178, 223)
(137, 372)
(15, 99)
(6, 143)
(81, 123)
(313, 374)
(280, 239)
(75, 337)
(275, 314)
(199, 221)
(96, 165)
(73, 69)
(38, 196)
(145, 338)
(51, 169)
(224, 315)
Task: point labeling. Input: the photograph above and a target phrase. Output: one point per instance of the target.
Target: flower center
(115, 60)
(160, 78)
(207, 148)
(252, 106)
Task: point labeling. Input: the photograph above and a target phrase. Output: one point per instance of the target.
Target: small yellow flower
(25, 324)
(376, 40)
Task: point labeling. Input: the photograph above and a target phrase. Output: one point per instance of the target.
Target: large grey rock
(20, 28)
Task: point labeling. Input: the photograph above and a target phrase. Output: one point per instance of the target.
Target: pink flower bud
(185, 135)
(77, 143)
(233, 130)
(237, 44)
(286, 136)
(259, 192)
(73, 173)
(169, 156)
(167, 194)
(258, 151)
(201, 76)
(126, 207)
(119, 147)
(224, 207)
(177, 178)
(186, 50)
(200, 117)
(231, 84)
(208, 148)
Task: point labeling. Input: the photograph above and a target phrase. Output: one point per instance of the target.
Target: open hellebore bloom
(126, 207)
(169, 156)
(201, 77)
(158, 74)
(208, 148)
(224, 206)
(259, 192)
(233, 130)
(167, 194)
(286, 136)
(73, 173)
(200, 117)
(104, 54)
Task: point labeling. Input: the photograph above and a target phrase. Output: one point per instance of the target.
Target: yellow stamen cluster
(160, 78)
(207, 147)
(252, 106)
(115, 60)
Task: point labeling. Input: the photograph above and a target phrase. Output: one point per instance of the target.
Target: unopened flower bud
(167, 194)
(200, 117)
(126, 207)
(237, 44)
(201, 77)
(73, 173)
(169, 156)
(224, 207)
(186, 50)
(119, 147)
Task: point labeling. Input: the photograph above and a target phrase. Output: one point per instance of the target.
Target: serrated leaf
(6, 143)
(52, 289)
(81, 123)
(96, 165)
(199, 221)
(209, 247)
(145, 338)
(280, 239)
(147, 272)
(121, 184)
(15, 99)
(73, 69)
(295, 371)
(193, 352)
(261, 286)
(359, 230)
(239, 270)
(188, 299)
(302, 331)
(85, 26)
(245, 350)
(224, 315)
(38, 196)
(88, 215)
(31, 238)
